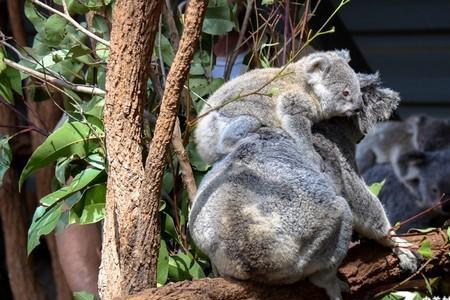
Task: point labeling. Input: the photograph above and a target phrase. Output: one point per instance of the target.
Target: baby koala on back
(319, 86)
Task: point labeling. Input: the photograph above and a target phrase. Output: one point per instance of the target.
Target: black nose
(357, 110)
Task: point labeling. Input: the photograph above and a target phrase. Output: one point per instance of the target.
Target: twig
(235, 52)
(67, 16)
(183, 159)
(44, 77)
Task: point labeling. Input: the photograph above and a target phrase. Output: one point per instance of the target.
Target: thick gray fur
(311, 89)
(427, 174)
(267, 213)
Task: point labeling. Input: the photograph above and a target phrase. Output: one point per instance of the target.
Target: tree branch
(66, 16)
(368, 269)
(59, 82)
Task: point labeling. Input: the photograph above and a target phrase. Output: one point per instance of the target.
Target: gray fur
(384, 144)
(427, 174)
(430, 133)
(267, 212)
(312, 89)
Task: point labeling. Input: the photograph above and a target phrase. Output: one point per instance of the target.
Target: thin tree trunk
(135, 24)
(45, 114)
(16, 21)
(23, 284)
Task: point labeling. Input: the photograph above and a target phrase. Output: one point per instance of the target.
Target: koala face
(427, 175)
(335, 83)
(430, 134)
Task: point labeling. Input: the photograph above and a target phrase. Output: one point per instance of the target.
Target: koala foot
(409, 261)
(329, 281)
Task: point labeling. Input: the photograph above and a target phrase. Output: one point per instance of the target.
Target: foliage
(5, 156)
(77, 146)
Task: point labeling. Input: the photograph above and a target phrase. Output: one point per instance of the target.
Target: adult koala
(423, 182)
(266, 213)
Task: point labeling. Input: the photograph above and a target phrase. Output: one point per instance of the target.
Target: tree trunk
(23, 284)
(45, 114)
(135, 24)
(368, 270)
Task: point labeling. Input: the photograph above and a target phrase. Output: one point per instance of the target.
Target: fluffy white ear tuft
(344, 54)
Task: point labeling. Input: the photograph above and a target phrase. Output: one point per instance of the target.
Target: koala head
(378, 102)
(427, 176)
(430, 134)
(334, 82)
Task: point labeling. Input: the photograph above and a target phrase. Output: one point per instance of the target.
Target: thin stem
(67, 16)
(48, 78)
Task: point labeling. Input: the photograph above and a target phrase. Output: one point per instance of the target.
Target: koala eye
(414, 182)
(435, 190)
(345, 93)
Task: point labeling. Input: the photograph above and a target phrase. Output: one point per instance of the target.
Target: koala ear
(317, 64)
(379, 102)
(344, 54)
(407, 162)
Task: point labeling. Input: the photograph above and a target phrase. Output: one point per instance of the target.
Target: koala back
(263, 214)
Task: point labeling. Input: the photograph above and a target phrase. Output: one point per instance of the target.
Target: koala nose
(357, 110)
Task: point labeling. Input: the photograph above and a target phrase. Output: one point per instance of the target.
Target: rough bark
(146, 236)
(135, 24)
(23, 284)
(46, 115)
(368, 269)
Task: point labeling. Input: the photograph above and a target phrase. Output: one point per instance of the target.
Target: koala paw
(409, 261)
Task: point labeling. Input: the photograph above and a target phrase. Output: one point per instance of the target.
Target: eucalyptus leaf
(55, 28)
(15, 80)
(162, 268)
(425, 249)
(2, 61)
(32, 14)
(376, 187)
(218, 21)
(166, 49)
(5, 157)
(72, 138)
(91, 208)
(44, 222)
(5, 88)
(83, 296)
(86, 177)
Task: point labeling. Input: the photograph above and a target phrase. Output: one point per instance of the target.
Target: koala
(428, 176)
(391, 139)
(430, 133)
(316, 87)
(384, 144)
(266, 213)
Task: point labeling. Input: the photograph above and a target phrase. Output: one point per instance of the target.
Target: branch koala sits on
(317, 87)
(265, 212)
(427, 175)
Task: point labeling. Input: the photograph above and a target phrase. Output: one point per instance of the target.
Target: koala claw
(409, 261)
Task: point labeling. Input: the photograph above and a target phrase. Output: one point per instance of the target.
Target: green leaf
(166, 49)
(83, 296)
(72, 138)
(100, 27)
(178, 270)
(425, 249)
(448, 233)
(102, 51)
(169, 227)
(34, 16)
(267, 2)
(376, 187)
(78, 50)
(55, 28)
(162, 268)
(393, 296)
(5, 88)
(84, 178)
(218, 21)
(196, 162)
(44, 222)
(91, 208)
(423, 230)
(2, 61)
(5, 157)
(61, 170)
(15, 80)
